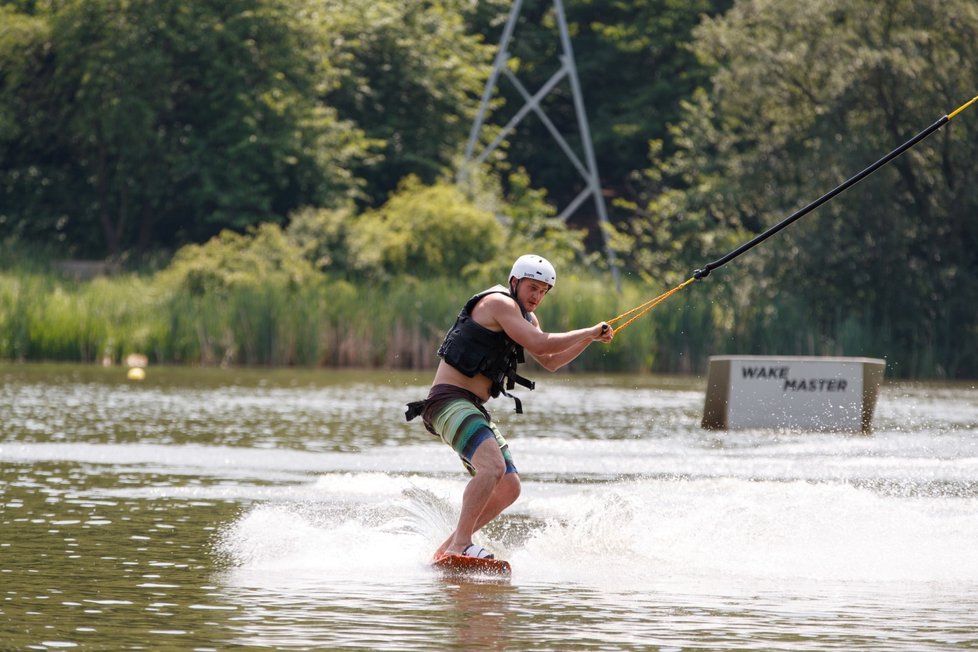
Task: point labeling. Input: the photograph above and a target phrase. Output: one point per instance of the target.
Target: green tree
(30, 166)
(262, 258)
(424, 231)
(321, 237)
(156, 123)
(803, 97)
(411, 76)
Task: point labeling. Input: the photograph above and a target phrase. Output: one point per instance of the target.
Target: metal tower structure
(588, 169)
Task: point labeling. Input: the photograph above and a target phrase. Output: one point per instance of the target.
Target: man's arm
(551, 350)
(554, 361)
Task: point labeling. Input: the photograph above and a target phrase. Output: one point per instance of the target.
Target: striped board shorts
(457, 417)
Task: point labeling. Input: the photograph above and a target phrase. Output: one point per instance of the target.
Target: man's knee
(488, 460)
(511, 485)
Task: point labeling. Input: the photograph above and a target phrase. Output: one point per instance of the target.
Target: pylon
(589, 168)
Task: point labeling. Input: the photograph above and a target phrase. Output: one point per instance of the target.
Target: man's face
(530, 293)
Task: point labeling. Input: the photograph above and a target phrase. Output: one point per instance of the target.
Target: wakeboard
(465, 565)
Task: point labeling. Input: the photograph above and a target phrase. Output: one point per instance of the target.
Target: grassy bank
(399, 324)
(324, 323)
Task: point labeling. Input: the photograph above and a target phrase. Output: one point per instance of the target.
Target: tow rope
(747, 246)
(648, 305)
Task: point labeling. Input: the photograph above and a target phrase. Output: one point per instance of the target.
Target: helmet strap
(514, 289)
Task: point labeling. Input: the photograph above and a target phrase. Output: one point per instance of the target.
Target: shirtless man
(479, 359)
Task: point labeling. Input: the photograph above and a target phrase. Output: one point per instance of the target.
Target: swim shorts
(456, 416)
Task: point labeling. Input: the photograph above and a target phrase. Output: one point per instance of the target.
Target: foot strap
(473, 550)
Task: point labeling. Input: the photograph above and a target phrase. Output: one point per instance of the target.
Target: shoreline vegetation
(329, 323)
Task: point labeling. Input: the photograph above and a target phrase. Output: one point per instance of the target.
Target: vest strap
(513, 379)
(519, 403)
(414, 409)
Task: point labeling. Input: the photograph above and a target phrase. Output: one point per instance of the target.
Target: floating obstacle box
(790, 392)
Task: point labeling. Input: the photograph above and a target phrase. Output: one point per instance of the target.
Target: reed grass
(333, 323)
(44, 317)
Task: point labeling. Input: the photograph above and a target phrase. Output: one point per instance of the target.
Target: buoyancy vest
(473, 349)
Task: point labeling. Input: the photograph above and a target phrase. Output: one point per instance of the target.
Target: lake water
(297, 510)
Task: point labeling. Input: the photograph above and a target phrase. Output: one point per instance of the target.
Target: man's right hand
(604, 332)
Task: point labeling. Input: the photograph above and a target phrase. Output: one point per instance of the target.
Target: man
(479, 358)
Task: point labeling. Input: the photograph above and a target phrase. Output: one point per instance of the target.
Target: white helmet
(535, 267)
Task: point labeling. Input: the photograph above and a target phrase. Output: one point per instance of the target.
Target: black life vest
(473, 349)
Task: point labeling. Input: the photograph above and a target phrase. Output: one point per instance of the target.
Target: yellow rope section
(648, 305)
(962, 107)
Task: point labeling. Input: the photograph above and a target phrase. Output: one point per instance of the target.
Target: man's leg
(487, 494)
(505, 494)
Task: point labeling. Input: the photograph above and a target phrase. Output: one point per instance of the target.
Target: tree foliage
(805, 96)
(424, 231)
(161, 123)
(263, 258)
(409, 72)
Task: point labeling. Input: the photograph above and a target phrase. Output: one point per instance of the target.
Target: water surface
(289, 509)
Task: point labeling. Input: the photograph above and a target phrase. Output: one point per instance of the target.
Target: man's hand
(603, 333)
